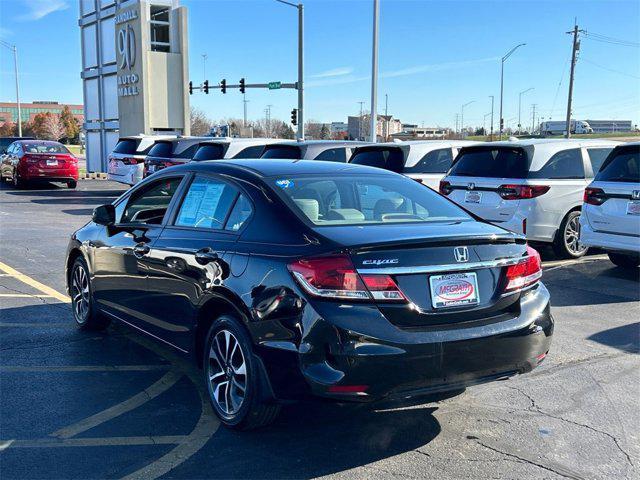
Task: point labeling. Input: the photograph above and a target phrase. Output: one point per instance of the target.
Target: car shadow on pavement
(625, 337)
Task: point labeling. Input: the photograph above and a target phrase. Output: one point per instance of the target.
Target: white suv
(611, 212)
(533, 186)
(426, 161)
(126, 161)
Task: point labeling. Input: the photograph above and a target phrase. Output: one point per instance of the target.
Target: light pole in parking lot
(502, 83)
(520, 106)
(484, 123)
(462, 117)
(492, 98)
(300, 87)
(374, 73)
(14, 49)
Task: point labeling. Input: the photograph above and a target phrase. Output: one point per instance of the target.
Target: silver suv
(533, 187)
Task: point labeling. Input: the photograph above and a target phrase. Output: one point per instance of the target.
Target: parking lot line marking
(93, 442)
(23, 295)
(34, 283)
(163, 384)
(83, 368)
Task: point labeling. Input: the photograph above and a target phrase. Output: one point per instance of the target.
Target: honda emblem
(471, 186)
(461, 254)
(635, 195)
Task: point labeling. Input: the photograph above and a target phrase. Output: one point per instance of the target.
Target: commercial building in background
(413, 132)
(611, 126)
(134, 72)
(339, 129)
(9, 110)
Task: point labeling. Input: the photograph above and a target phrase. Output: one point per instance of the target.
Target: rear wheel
(232, 377)
(72, 184)
(624, 261)
(82, 304)
(16, 180)
(567, 243)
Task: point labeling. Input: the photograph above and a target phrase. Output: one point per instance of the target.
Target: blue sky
(434, 56)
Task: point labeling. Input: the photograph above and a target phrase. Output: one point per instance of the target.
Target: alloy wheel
(227, 373)
(80, 294)
(572, 236)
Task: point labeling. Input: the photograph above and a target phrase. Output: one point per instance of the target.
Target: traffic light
(294, 116)
(242, 85)
(190, 88)
(205, 87)
(223, 85)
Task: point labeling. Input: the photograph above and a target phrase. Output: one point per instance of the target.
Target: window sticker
(285, 183)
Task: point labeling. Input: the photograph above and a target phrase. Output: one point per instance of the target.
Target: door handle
(206, 255)
(141, 249)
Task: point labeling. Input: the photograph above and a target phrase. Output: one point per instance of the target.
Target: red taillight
(335, 277)
(31, 158)
(594, 196)
(129, 161)
(445, 187)
(520, 192)
(525, 273)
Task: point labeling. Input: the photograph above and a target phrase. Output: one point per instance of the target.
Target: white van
(533, 187)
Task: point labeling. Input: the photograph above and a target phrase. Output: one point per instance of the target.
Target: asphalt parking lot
(115, 405)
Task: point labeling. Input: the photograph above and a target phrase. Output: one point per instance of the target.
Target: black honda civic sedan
(290, 279)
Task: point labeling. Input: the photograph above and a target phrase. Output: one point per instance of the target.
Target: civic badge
(635, 195)
(461, 254)
(471, 186)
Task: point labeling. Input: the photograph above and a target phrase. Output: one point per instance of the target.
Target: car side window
(206, 203)
(333, 155)
(597, 156)
(435, 161)
(250, 152)
(239, 214)
(150, 204)
(189, 152)
(566, 164)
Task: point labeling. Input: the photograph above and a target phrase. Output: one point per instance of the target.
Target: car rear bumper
(362, 352)
(608, 241)
(130, 175)
(534, 223)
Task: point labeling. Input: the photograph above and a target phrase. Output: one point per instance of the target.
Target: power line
(606, 39)
(610, 69)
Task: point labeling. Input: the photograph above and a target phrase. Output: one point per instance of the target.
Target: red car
(39, 161)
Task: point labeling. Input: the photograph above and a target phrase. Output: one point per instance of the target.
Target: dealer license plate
(633, 207)
(52, 163)
(454, 289)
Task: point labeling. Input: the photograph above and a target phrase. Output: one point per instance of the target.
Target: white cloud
(37, 9)
(436, 67)
(336, 72)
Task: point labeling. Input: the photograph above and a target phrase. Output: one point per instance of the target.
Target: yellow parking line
(23, 295)
(48, 291)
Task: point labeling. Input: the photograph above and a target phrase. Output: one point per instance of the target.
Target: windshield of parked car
(364, 200)
(491, 162)
(622, 165)
(44, 147)
(127, 146)
(282, 151)
(387, 158)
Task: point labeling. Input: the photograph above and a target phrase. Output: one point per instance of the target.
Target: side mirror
(104, 215)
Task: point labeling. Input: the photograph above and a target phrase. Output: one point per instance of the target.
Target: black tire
(624, 261)
(222, 377)
(566, 243)
(72, 184)
(85, 313)
(17, 181)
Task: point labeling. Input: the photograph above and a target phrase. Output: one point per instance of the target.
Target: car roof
(556, 142)
(280, 167)
(247, 141)
(322, 143)
(40, 142)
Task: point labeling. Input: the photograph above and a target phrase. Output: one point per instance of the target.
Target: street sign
(275, 85)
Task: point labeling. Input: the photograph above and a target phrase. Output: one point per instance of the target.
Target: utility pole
(267, 112)
(520, 106)
(462, 117)
(491, 137)
(360, 122)
(533, 117)
(457, 119)
(244, 101)
(374, 73)
(574, 55)
(14, 49)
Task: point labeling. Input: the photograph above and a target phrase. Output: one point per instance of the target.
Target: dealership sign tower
(134, 71)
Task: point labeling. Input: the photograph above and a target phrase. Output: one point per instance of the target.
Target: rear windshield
(282, 151)
(622, 165)
(386, 158)
(435, 161)
(49, 147)
(161, 149)
(365, 200)
(214, 151)
(127, 146)
(491, 162)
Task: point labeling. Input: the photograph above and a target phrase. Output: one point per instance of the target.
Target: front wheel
(624, 261)
(82, 304)
(567, 243)
(232, 377)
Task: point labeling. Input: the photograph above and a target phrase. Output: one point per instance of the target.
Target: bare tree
(53, 128)
(200, 123)
(313, 129)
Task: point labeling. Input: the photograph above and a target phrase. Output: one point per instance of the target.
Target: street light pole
(300, 83)
(462, 117)
(484, 123)
(492, 98)
(502, 83)
(374, 73)
(14, 49)
(520, 106)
